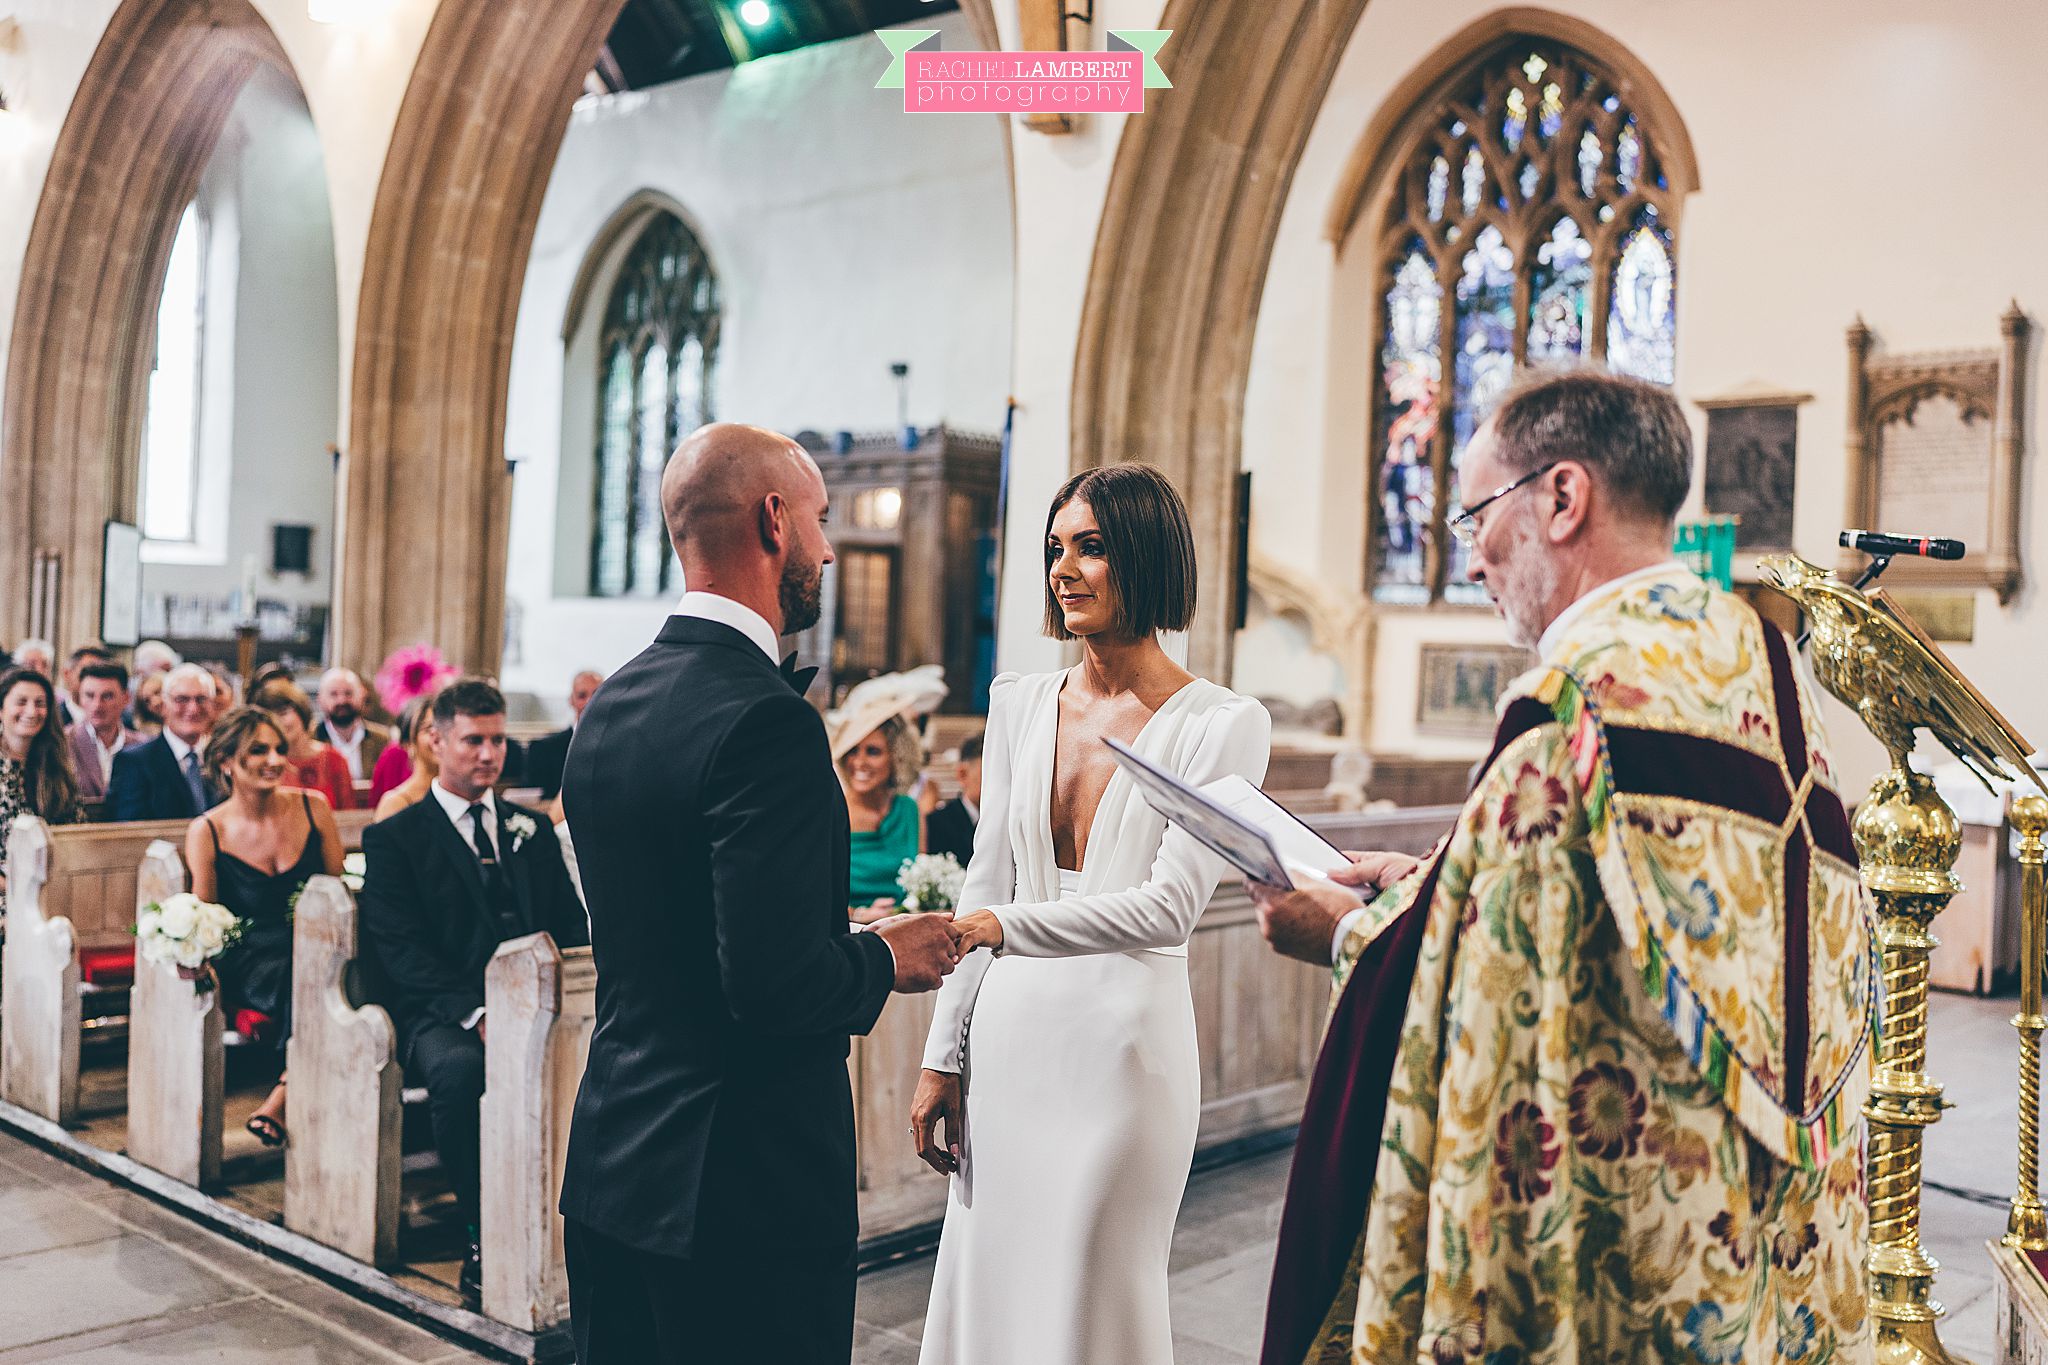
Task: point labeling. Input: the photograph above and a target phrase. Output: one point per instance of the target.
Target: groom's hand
(925, 949)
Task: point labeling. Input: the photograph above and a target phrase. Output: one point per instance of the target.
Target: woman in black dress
(254, 853)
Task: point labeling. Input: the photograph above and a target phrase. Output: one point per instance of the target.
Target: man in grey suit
(98, 733)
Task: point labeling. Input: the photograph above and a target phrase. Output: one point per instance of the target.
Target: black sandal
(268, 1130)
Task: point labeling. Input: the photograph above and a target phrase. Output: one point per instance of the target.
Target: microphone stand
(1877, 565)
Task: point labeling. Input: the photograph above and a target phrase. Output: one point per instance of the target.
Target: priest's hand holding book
(1303, 923)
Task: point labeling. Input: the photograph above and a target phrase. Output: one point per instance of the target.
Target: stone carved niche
(1935, 448)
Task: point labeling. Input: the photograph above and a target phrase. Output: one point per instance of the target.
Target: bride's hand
(981, 929)
(939, 1096)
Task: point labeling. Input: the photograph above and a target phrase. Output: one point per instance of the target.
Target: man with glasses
(165, 778)
(1592, 1085)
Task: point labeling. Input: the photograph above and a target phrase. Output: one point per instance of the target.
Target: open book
(1241, 824)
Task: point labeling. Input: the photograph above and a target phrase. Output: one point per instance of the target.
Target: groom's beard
(801, 595)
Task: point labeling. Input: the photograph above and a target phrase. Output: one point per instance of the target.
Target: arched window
(1531, 223)
(656, 357)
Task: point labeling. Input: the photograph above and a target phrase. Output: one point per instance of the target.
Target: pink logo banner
(1024, 82)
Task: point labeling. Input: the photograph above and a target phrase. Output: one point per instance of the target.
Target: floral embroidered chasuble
(1593, 1080)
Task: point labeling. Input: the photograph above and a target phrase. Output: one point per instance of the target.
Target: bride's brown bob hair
(1147, 541)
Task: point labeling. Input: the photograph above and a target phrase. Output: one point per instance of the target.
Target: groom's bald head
(718, 484)
(745, 509)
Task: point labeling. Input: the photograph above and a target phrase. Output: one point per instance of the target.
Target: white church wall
(846, 235)
(1846, 160)
(272, 354)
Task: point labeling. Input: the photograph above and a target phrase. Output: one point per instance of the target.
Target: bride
(1061, 1065)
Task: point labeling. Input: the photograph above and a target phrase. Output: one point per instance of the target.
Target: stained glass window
(659, 353)
(1641, 323)
(1535, 205)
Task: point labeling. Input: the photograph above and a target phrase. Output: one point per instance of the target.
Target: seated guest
(415, 739)
(254, 853)
(146, 711)
(445, 882)
(544, 757)
(67, 686)
(309, 763)
(878, 756)
(147, 665)
(35, 761)
(950, 828)
(164, 779)
(37, 656)
(98, 734)
(344, 728)
(227, 689)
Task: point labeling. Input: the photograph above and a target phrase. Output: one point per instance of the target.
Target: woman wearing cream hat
(876, 747)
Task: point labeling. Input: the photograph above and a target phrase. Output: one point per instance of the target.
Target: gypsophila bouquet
(931, 881)
(352, 866)
(185, 932)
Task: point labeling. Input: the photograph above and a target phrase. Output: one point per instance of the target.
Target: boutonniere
(521, 828)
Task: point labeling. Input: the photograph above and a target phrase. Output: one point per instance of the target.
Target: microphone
(1878, 543)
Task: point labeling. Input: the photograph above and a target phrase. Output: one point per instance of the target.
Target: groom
(710, 1182)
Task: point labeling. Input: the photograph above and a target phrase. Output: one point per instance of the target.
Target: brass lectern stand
(1884, 667)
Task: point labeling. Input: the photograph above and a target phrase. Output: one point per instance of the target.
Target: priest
(1592, 1084)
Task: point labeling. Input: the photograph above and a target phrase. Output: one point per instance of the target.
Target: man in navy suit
(164, 779)
(445, 881)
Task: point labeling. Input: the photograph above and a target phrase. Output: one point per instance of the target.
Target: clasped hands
(928, 946)
(1302, 923)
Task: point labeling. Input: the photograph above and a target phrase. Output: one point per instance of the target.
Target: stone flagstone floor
(94, 1275)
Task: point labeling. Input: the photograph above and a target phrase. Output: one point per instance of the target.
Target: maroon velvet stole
(1339, 1141)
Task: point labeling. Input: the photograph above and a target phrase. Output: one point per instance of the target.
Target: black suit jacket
(543, 766)
(428, 923)
(715, 1116)
(146, 785)
(950, 829)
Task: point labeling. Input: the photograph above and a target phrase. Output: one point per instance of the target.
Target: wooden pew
(541, 1002)
(342, 1165)
(38, 984)
(176, 1066)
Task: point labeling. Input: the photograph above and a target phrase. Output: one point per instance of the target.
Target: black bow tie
(799, 679)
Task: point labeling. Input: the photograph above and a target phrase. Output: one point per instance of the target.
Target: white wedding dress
(1077, 1044)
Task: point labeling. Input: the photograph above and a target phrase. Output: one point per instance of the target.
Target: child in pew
(254, 853)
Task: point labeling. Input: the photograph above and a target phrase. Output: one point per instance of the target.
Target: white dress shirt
(1552, 635)
(179, 748)
(107, 752)
(351, 749)
(457, 811)
(709, 606)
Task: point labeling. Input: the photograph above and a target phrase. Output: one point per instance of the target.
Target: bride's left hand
(981, 929)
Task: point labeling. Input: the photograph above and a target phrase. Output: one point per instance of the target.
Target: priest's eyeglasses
(1465, 525)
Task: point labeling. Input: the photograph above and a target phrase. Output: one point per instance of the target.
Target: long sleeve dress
(1077, 1045)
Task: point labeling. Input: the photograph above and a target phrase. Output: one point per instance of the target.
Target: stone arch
(77, 373)
(427, 496)
(1194, 204)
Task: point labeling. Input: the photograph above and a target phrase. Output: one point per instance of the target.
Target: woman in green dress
(879, 754)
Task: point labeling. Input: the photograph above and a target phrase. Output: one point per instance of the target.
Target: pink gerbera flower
(414, 671)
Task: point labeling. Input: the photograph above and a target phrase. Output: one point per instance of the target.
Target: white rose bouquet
(185, 932)
(353, 865)
(931, 881)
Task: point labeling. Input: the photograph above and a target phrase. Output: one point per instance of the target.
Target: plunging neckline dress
(1077, 1044)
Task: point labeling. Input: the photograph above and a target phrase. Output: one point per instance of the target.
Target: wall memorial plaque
(1935, 447)
(1461, 684)
(1752, 444)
